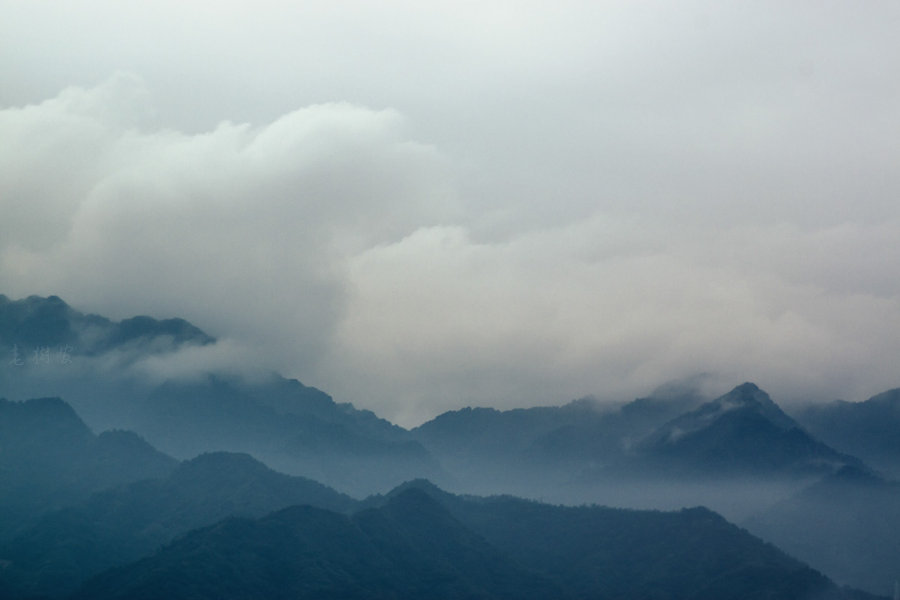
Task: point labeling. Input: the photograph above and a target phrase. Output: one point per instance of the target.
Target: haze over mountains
(415, 541)
(106, 371)
(184, 453)
(316, 281)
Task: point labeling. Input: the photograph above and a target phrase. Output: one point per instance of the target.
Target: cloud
(612, 308)
(241, 229)
(418, 209)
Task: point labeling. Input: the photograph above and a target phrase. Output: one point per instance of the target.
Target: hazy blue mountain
(408, 548)
(488, 432)
(867, 429)
(49, 458)
(663, 451)
(510, 433)
(50, 348)
(47, 348)
(742, 433)
(420, 542)
(123, 524)
(526, 450)
(490, 451)
(261, 404)
(847, 526)
(588, 442)
(293, 428)
(73, 503)
(36, 323)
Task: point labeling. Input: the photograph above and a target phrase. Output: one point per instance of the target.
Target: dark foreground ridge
(420, 542)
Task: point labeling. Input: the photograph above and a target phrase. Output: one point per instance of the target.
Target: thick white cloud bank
(545, 213)
(605, 308)
(244, 230)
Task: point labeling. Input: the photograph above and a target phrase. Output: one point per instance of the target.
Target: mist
(420, 210)
(353, 262)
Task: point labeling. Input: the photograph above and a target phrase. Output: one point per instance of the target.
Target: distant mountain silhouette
(48, 348)
(49, 458)
(53, 349)
(292, 427)
(37, 322)
(587, 442)
(572, 448)
(523, 450)
(72, 502)
(123, 524)
(487, 432)
(845, 525)
(741, 433)
(867, 429)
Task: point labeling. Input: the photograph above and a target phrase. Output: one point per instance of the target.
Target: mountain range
(412, 545)
(55, 350)
(866, 429)
(127, 522)
(49, 459)
(184, 453)
(742, 433)
(211, 520)
(845, 525)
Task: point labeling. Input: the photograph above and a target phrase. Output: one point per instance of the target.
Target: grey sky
(420, 207)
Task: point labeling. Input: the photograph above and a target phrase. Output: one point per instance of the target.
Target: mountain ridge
(867, 429)
(128, 522)
(411, 544)
(741, 432)
(675, 448)
(49, 457)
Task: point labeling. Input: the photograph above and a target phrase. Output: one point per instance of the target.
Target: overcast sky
(423, 206)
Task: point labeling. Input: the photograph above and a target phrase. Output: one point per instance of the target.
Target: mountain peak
(741, 431)
(231, 465)
(746, 393)
(888, 399)
(39, 322)
(747, 387)
(413, 499)
(748, 396)
(420, 485)
(49, 412)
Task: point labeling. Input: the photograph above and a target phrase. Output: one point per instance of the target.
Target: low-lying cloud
(244, 230)
(562, 313)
